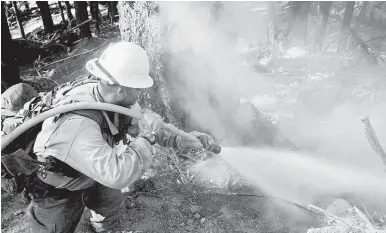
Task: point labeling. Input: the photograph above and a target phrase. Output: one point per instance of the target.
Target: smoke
(339, 135)
(203, 45)
(207, 73)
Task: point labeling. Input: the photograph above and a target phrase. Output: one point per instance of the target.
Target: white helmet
(123, 63)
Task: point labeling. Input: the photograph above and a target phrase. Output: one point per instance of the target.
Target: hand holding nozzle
(194, 138)
(151, 122)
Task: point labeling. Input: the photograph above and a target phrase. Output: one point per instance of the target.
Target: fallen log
(79, 25)
(76, 55)
(55, 36)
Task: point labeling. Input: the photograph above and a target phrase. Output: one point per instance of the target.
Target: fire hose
(135, 113)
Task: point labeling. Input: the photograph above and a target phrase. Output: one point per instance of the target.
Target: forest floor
(312, 82)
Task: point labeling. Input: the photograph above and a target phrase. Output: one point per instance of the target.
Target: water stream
(300, 176)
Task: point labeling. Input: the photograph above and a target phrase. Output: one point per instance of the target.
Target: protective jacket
(80, 140)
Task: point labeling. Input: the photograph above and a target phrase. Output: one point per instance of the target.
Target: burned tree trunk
(137, 25)
(81, 15)
(46, 16)
(94, 8)
(113, 10)
(26, 5)
(9, 66)
(61, 12)
(321, 31)
(70, 17)
(346, 26)
(19, 23)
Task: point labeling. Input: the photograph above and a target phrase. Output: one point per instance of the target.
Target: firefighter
(91, 164)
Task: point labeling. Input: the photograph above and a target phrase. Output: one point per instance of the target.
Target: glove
(133, 128)
(150, 124)
(204, 141)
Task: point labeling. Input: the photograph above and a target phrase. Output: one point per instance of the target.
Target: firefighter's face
(128, 96)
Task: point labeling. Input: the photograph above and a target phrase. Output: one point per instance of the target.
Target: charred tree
(19, 23)
(9, 67)
(81, 15)
(70, 17)
(324, 8)
(113, 10)
(61, 12)
(346, 26)
(94, 8)
(26, 5)
(46, 16)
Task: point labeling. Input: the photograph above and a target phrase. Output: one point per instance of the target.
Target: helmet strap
(106, 72)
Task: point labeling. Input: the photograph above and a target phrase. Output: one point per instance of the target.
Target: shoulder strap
(94, 115)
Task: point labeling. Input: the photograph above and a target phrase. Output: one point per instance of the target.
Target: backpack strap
(94, 115)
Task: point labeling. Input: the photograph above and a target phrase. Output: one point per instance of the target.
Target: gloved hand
(150, 123)
(133, 127)
(204, 141)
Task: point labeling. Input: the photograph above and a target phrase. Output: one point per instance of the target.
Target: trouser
(61, 214)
